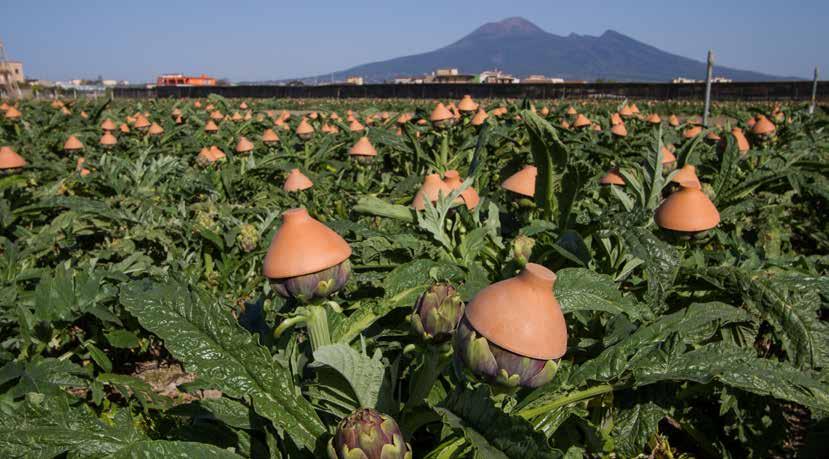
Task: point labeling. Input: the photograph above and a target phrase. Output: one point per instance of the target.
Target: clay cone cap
(108, 139)
(216, 153)
(667, 156)
(581, 121)
(155, 129)
(303, 245)
(108, 125)
(626, 111)
(355, 126)
(210, 126)
(244, 145)
(522, 182)
(742, 142)
(304, 127)
(12, 113)
(269, 136)
(763, 126)
(634, 109)
(687, 176)
(297, 181)
(615, 119)
(612, 177)
(522, 314)
(673, 120)
(688, 210)
(440, 113)
(691, 132)
(467, 104)
(469, 196)
(72, 143)
(479, 117)
(619, 130)
(654, 119)
(432, 187)
(141, 121)
(363, 147)
(571, 110)
(9, 159)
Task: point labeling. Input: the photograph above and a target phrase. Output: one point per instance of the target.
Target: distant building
(537, 79)
(449, 76)
(355, 80)
(111, 83)
(446, 72)
(721, 80)
(178, 79)
(12, 71)
(408, 80)
(680, 80)
(497, 77)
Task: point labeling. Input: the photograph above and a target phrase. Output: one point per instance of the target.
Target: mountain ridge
(521, 48)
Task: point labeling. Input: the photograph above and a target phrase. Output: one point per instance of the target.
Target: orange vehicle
(178, 79)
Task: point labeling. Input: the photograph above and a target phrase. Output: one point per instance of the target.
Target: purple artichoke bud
(497, 365)
(321, 284)
(436, 313)
(248, 238)
(368, 434)
(522, 248)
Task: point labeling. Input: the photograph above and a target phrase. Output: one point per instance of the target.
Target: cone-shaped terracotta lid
(124, 128)
(469, 196)
(432, 187)
(440, 113)
(155, 129)
(544, 111)
(653, 118)
(691, 131)
(108, 139)
(5, 106)
(742, 142)
(522, 182)
(687, 210)
(634, 109)
(269, 136)
(612, 177)
(564, 124)
(210, 126)
(619, 130)
(236, 117)
(667, 155)
(176, 112)
(141, 121)
(355, 126)
(216, 115)
(9, 159)
(244, 145)
(362, 147)
(571, 111)
(480, 117)
(72, 144)
(12, 113)
(712, 136)
(297, 181)
(751, 121)
(763, 126)
(108, 125)
(615, 119)
(216, 154)
(467, 104)
(243, 106)
(79, 166)
(402, 119)
(687, 176)
(626, 111)
(303, 245)
(581, 121)
(521, 314)
(304, 128)
(673, 120)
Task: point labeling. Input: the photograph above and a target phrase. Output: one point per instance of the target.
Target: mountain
(519, 47)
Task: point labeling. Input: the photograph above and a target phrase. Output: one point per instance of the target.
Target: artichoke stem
(317, 324)
(572, 397)
(286, 324)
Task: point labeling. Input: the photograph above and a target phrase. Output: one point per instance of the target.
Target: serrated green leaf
(364, 374)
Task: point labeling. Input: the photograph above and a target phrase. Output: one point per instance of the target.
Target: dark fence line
(770, 90)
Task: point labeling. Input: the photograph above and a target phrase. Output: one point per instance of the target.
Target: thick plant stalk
(316, 321)
(572, 397)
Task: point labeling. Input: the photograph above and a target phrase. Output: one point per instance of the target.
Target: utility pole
(814, 94)
(708, 77)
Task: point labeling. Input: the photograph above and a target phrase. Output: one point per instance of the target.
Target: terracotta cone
(155, 129)
(762, 126)
(667, 155)
(687, 176)
(480, 117)
(691, 131)
(72, 144)
(688, 210)
(9, 159)
(297, 181)
(626, 111)
(440, 113)
(615, 119)
(581, 121)
(653, 118)
(269, 136)
(612, 177)
(244, 145)
(355, 126)
(522, 182)
(210, 126)
(469, 196)
(432, 187)
(108, 140)
(304, 128)
(362, 147)
(571, 111)
(467, 104)
(141, 122)
(521, 314)
(108, 125)
(12, 113)
(742, 142)
(673, 121)
(619, 130)
(303, 245)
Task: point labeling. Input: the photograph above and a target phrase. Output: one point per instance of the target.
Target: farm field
(413, 279)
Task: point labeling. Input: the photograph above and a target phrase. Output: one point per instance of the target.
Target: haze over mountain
(519, 47)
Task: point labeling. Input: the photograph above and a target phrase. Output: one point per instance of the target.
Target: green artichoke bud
(248, 238)
(522, 248)
(321, 284)
(205, 220)
(497, 365)
(368, 434)
(436, 313)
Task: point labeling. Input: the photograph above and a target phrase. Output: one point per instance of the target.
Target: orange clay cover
(688, 210)
(522, 182)
(303, 245)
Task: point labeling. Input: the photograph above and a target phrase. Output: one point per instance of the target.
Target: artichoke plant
(368, 434)
(248, 238)
(497, 365)
(308, 287)
(436, 313)
(522, 249)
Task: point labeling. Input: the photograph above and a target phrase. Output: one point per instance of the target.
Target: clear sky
(261, 40)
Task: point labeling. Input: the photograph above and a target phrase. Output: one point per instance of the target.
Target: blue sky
(258, 40)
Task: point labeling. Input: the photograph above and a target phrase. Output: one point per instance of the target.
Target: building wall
(16, 72)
